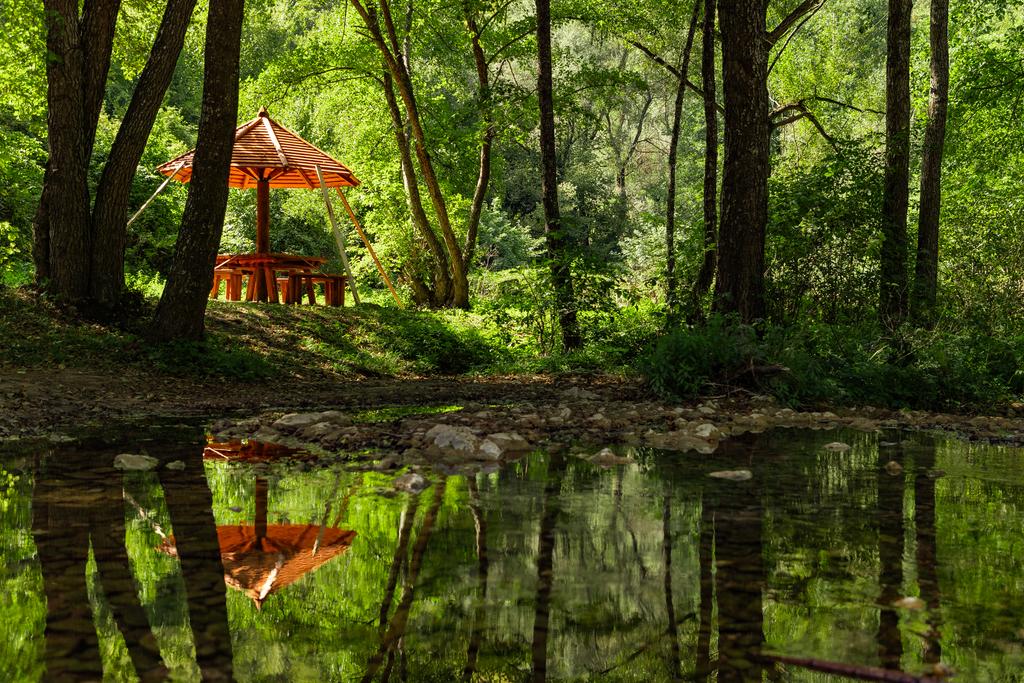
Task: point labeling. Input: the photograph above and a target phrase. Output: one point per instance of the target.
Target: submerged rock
(135, 462)
(176, 465)
(732, 475)
(606, 457)
(893, 468)
(411, 482)
(837, 447)
(681, 441)
(909, 602)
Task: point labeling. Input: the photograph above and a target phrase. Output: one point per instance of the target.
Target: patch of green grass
(391, 413)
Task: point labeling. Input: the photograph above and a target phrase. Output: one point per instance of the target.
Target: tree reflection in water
(549, 569)
(78, 507)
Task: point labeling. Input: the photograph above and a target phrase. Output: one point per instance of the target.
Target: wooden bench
(293, 287)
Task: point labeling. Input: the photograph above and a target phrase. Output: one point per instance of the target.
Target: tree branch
(660, 61)
(795, 31)
(792, 18)
(802, 112)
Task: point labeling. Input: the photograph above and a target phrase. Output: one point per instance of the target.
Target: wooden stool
(334, 288)
(232, 280)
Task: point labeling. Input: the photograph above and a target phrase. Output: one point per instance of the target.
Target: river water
(903, 554)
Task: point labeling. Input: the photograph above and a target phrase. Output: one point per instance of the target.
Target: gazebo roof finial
(263, 112)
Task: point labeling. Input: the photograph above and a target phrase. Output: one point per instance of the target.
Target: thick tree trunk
(561, 274)
(65, 200)
(182, 308)
(706, 274)
(739, 287)
(926, 270)
(671, 286)
(893, 284)
(112, 193)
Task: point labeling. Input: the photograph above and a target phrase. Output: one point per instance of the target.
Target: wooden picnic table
(261, 272)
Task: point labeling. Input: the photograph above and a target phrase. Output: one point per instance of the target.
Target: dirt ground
(41, 402)
(55, 402)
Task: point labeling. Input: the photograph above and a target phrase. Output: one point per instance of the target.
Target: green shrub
(839, 364)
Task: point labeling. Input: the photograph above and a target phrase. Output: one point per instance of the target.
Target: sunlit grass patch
(389, 413)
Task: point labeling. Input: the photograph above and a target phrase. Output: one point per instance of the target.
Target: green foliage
(842, 364)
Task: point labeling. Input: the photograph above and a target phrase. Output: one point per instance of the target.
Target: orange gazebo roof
(266, 149)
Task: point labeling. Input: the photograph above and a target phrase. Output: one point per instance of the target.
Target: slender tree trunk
(483, 178)
(396, 62)
(112, 193)
(561, 273)
(706, 274)
(926, 271)
(442, 276)
(739, 287)
(41, 233)
(671, 285)
(182, 308)
(893, 284)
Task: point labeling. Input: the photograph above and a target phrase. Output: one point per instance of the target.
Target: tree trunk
(65, 201)
(41, 234)
(706, 274)
(893, 284)
(483, 178)
(561, 274)
(112, 193)
(396, 62)
(442, 277)
(182, 308)
(926, 271)
(739, 287)
(671, 285)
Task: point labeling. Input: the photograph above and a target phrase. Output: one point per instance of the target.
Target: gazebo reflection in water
(261, 558)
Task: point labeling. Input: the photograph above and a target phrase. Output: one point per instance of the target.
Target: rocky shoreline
(586, 423)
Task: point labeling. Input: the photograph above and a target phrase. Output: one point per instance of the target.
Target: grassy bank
(255, 342)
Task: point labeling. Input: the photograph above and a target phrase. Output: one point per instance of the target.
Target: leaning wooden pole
(369, 247)
(160, 189)
(339, 237)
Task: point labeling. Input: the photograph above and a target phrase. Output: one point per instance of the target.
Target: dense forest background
(617, 73)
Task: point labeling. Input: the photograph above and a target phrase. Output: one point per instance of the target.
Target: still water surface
(254, 567)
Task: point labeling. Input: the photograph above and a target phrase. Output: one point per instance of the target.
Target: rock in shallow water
(837, 447)
(410, 482)
(733, 475)
(135, 462)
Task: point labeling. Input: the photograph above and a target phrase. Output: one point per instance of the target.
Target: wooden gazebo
(267, 155)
